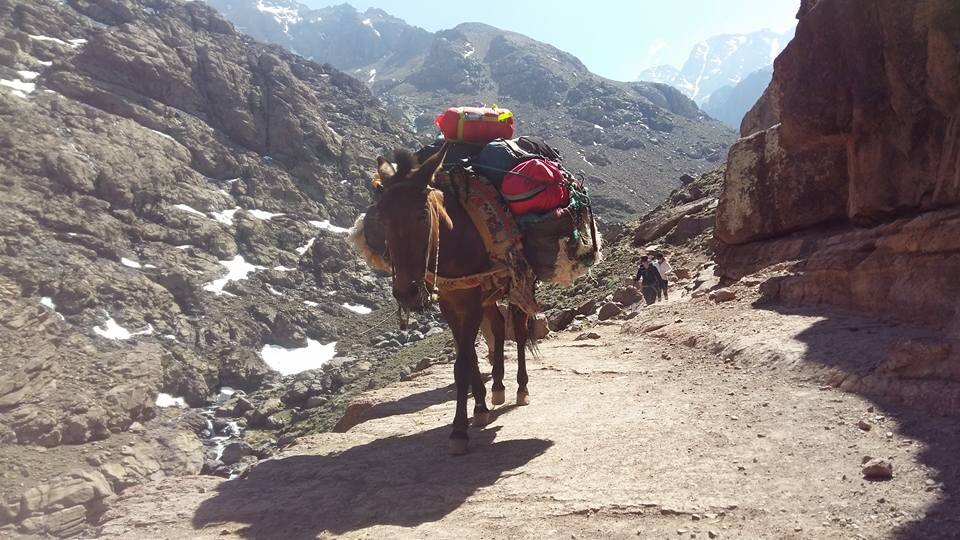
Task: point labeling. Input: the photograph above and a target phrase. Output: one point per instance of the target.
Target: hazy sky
(614, 38)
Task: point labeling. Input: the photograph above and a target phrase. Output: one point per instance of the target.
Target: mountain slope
(632, 140)
(730, 103)
(720, 61)
(172, 203)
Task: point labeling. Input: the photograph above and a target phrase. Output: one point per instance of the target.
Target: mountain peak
(720, 61)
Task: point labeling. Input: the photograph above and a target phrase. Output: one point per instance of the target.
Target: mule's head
(412, 213)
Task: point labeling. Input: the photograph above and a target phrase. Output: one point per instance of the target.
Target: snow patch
(20, 88)
(327, 226)
(47, 302)
(112, 330)
(164, 135)
(47, 38)
(273, 291)
(263, 214)
(190, 209)
(225, 216)
(282, 268)
(372, 77)
(303, 249)
(293, 361)
(369, 24)
(285, 16)
(166, 400)
(358, 308)
(311, 303)
(237, 269)
(28, 75)
(130, 263)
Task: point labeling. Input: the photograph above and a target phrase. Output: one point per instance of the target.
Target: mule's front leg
(464, 314)
(459, 440)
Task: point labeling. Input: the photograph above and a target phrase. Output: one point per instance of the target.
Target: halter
(403, 314)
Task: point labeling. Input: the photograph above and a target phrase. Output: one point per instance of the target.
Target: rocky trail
(693, 419)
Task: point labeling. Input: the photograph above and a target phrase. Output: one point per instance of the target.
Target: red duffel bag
(535, 186)
(475, 124)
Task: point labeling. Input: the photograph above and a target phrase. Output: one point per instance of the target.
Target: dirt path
(631, 434)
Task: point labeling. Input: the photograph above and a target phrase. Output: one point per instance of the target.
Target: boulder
(560, 319)
(722, 295)
(609, 311)
(258, 416)
(877, 469)
(234, 452)
(588, 308)
(627, 296)
(540, 327)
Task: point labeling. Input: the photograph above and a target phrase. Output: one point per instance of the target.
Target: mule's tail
(533, 344)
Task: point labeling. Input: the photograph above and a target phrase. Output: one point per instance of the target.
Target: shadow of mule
(401, 481)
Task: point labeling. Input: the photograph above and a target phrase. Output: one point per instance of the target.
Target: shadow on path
(856, 344)
(403, 481)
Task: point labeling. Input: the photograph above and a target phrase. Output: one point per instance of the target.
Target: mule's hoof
(499, 397)
(481, 418)
(523, 398)
(458, 447)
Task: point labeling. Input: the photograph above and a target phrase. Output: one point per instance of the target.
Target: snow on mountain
(721, 61)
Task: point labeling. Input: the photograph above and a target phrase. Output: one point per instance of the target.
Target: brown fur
(418, 222)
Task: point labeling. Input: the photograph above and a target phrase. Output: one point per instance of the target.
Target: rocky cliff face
(632, 140)
(849, 169)
(173, 201)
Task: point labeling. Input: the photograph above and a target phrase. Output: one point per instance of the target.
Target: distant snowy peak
(666, 74)
(339, 35)
(285, 13)
(721, 61)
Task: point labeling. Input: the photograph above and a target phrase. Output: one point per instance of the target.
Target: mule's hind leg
(519, 319)
(481, 414)
(494, 320)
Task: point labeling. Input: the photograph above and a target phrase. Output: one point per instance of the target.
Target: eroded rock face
(867, 102)
(859, 130)
(769, 191)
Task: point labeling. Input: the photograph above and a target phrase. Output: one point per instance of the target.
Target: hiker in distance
(663, 268)
(649, 277)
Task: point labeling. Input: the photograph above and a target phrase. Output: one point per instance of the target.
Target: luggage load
(476, 125)
(456, 152)
(516, 193)
(564, 244)
(535, 186)
(497, 159)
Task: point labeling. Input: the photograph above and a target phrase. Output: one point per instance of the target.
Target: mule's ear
(429, 169)
(385, 169)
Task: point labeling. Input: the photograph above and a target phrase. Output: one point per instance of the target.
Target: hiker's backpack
(497, 159)
(535, 186)
(475, 124)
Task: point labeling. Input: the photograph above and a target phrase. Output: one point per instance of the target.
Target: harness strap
(525, 195)
(464, 282)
